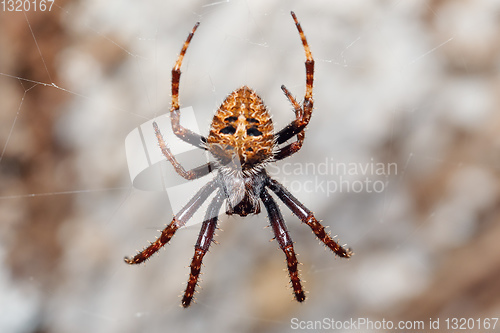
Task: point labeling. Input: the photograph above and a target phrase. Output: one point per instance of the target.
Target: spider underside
(242, 141)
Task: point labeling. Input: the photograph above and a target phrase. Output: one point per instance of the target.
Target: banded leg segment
(205, 238)
(285, 241)
(178, 221)
(294, 146)
(182, 132)
(302, 119)
(306, 216)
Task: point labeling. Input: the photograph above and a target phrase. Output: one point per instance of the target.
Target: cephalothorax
(242, 141)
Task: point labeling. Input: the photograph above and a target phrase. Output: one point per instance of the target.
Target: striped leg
(295, 146)
(195, 173)
(182, 132)
(285, 241)
(178, 221)
(205, 238)
(303, 114)
(308, 218)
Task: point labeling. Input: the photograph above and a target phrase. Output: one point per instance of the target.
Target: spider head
(242, 133)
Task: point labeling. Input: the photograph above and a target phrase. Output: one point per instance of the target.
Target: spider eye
(253, 131)
(228, 130)
(231, 119)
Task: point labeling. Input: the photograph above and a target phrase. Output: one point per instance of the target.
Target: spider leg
(179, 220)
(306, 216)
(205, 238)
(182, 132)
(297, 126)
(294, 146)
(285, 242)
(296, 106)
(195, 173)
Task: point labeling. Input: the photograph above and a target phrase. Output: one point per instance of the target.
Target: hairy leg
(191, 174)
(298, 125)
(306, 216)
(182, 132)
(205, 238)
(294, 146)
(285, 241)
(179, 220)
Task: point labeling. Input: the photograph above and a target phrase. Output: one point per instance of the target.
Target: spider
(242, 141)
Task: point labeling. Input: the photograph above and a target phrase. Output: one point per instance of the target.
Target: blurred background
(412, 84)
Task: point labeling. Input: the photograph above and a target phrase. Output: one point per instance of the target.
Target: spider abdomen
(242, 127)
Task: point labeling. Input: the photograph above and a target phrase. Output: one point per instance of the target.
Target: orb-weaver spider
(242, 141)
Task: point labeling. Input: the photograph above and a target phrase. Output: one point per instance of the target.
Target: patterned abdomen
(242, 127)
